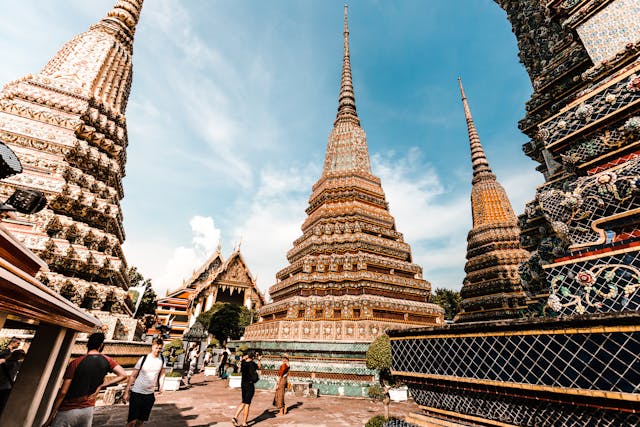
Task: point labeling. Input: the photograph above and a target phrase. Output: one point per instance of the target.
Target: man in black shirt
(83, 380)
(249, 370)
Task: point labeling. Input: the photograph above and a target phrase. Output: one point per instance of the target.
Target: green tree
(379, 357)
(449, 300)
(224, 322)
(247, 317)
(205, 316)
(148, 304)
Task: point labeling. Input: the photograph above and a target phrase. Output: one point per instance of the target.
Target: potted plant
(172, 381)
(235, 380)
(211, 358)
(172, 350)
(379, 357)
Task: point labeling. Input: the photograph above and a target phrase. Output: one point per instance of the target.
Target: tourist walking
(249, 370)
(281, 386)
(147, 375)
(194, 354)
(82, 381)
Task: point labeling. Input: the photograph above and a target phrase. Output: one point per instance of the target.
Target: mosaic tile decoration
(597, 285)
(574, 210)
(618, 96)
(517, 411)
(609, 30)
(583, 361)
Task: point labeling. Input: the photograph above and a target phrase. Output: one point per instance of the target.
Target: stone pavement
(212, 403)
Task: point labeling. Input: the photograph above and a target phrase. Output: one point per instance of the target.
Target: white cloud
(168, 268)
(274, 218)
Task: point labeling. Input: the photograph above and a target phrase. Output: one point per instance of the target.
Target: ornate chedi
(350, 269)
(67, 126)
(491, 289)
(574, 362)
(350, 275)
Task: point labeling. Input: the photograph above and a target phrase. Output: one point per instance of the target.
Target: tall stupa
(350, 275)
(491, 289)
(67, 126)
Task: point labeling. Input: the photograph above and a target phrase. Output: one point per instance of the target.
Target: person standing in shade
(222, 367)
(82, 381)
(147, 375)
(281, 386)
(249, 370)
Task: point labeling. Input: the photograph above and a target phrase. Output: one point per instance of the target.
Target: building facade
(231, 282)
(67, 126)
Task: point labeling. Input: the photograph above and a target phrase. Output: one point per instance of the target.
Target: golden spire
(346, 99)
(491, 288)
(479, 161)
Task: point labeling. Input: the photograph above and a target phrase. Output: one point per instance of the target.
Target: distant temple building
(572, 358)
(216, 281)
(67, 126)
(491, 289)
(350, 274)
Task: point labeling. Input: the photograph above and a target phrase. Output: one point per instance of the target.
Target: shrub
(213, 344)
(376, 392)
(173, 374)
(378, 421)
(379, 357)
(173, 349)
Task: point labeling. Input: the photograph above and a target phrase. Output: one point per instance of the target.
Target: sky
(232, 103)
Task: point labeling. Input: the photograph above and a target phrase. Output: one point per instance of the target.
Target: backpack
(144, 358)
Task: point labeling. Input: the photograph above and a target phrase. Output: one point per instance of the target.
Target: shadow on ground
(163, 414)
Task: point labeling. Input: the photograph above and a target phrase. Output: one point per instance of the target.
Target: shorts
(140, 406)
(82, 417)
(248, 390)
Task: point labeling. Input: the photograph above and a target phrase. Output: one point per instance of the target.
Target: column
(35, 374)
(55, 378)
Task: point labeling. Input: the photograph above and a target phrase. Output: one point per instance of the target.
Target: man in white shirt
(146, 376)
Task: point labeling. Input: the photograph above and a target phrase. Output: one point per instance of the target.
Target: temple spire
(126, 13)
(479, 161)
(346, 99)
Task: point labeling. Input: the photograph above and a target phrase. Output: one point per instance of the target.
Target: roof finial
(346, 99)
(478, 158)
(127, 13)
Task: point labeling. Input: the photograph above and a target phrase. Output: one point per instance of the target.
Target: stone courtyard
(212, 403)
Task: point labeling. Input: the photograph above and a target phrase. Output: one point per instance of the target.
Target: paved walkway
(212, 403)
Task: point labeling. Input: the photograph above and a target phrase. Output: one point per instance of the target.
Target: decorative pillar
(209, 303)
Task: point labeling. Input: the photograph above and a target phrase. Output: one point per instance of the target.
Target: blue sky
(233, 101)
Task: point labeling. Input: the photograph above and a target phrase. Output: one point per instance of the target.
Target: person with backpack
(249, 370)
(147, 375)
(82, 381)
